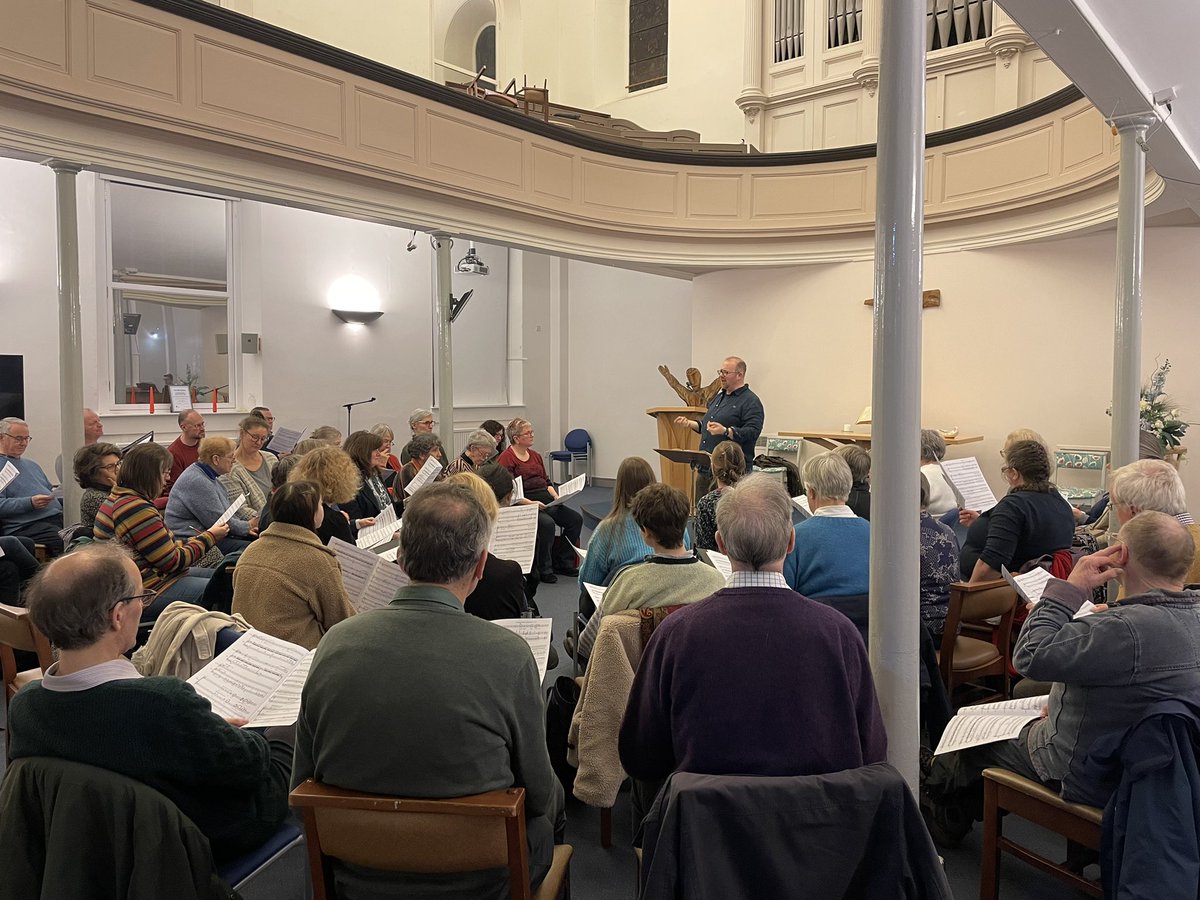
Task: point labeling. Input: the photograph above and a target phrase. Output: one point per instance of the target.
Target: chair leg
(606, 827)
(989, 867)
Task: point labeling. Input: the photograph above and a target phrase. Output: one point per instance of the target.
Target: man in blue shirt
(734, 414)
(27, 508)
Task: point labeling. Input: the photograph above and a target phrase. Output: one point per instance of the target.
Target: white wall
(1023, 339)
(29, 296)
(622, 326)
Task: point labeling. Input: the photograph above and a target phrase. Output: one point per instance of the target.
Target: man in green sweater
(420, 699)
(94, 707)
(672, 576)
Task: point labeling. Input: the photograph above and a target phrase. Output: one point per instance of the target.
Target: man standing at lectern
(734, 414)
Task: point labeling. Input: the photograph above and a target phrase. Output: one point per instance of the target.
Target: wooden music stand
(677, 437)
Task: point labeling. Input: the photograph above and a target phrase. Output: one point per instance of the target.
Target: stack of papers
(385, 526)
(370, 579)
(574, 486)
(720, 562)
(427, 473)
(988, 723)
(7, 474)
(537, 634)
(1030, 585)
(284, 440)
(515, 535)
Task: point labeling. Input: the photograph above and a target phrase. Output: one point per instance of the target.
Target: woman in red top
(520, 459)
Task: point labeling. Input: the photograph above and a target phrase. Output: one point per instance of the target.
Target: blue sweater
(615, 543)
(197, 500)
(16, 503)
(831, 557)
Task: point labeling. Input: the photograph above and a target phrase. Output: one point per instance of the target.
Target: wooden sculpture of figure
(692, 393)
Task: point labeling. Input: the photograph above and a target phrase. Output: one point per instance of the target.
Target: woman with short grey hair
(421, 421)
(941, 495)
(479, 449)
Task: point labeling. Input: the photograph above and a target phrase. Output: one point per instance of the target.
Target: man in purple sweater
(756, 679)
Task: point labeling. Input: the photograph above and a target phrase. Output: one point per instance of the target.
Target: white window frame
(108, 320)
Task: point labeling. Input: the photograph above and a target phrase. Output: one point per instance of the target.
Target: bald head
(71, 600)
(1160, 549)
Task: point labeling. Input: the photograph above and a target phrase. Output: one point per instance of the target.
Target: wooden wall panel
(153, 67)
(474, 149)
(806, 196)
(714, 196)
(385, 124)
(629, 188)
(1000, 165)
(35, 32)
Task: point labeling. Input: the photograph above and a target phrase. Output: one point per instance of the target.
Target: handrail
(315, 51)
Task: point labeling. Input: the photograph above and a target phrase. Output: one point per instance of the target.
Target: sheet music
(285, 439)
(721, 563)
(1029, 585)
(989, 722)
(518, 489)
(240, 681)
(57, 493)
(228, 514)
(582, 553)
(7, 474)
(382, 531)
(574, 486)
(370, 580)
(596, 593)
(390, 554)
(283, 706)
(802, 504)
(970, 487)
(431, 470)
(537, 633)
(515, 535)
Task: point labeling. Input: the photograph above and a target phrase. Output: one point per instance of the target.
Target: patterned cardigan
(130, 518)
(240, 481)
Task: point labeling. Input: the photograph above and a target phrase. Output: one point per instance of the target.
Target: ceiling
(1121, 54)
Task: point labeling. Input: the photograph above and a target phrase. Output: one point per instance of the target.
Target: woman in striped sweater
(129, 516)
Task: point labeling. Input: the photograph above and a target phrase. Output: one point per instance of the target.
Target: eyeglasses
(1004, 470)
(257, 438)
(19, 440)
(725, 372)
(111, 467)
(145, 599)
(526, 433)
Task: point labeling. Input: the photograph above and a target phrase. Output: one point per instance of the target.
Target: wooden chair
(17, 633)
(1005, 791)
(532, 95)
(463, 834)
(963, 659)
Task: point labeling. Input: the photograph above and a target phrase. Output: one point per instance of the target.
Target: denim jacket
(1107, 668)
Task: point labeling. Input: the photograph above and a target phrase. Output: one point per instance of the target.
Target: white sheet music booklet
(258, 678)
(371, 579)
(971, 489)
(515, 535)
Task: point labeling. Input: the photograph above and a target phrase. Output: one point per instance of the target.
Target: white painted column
(896, 388)
(445, 353)
(516, 327)
(752, 99)
(1127, 328)
(70, 332)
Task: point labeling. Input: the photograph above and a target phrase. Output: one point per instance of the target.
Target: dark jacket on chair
(72, 830)
(852, 834)
(1150, 846)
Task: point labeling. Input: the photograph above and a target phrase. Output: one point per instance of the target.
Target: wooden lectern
(677, 437)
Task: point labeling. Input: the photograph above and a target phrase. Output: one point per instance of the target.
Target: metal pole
(445, 355)
(896, 388)
(70, 333)
(1127, 328)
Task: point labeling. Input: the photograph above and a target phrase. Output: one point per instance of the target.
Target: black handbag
(561, 699)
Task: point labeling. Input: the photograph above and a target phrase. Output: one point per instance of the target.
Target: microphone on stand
(350, 406)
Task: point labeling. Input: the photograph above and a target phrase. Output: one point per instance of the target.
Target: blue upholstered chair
(577, 445)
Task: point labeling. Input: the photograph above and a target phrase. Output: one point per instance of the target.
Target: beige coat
(288, 584)
(183, 640)
(592, 740)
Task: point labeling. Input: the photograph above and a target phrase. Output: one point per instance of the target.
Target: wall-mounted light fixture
(357, 316)
(471, 264)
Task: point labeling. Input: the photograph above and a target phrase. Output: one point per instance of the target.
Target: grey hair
(422, 445)
(480, 438)
(827, 475)
(384, 430)
(445, 532)
(933, 445)
(1159, 544)
(8, 422)
(754, 519)
(417, 415)
(515, 427)
(1149, 484)
(71, 600)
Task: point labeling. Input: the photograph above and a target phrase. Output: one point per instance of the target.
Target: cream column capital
(752, 98)
(1007, 38)
(867, 72)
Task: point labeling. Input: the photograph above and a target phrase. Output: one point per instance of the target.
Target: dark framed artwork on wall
(12, 386)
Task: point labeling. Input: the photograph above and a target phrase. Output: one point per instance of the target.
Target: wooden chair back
(463, 834)
(974, 605)
(18, 633)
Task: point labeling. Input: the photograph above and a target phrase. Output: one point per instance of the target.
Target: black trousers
(17, 566)
(43, 531)
(561, 516)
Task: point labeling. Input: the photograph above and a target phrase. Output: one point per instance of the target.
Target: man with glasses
(185, 449)
(93, 707)
(27, 506)
(734, 414)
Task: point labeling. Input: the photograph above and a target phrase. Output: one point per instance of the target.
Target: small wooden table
(831, 440)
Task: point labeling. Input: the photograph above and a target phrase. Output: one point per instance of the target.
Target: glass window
(169, 286)
(647, 43)
(485, 52)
